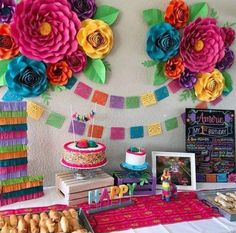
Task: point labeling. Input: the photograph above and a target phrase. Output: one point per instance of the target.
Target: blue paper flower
(163, 42)
(26, 77)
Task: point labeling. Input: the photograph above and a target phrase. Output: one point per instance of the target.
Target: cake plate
(82, 172)
(134, 171)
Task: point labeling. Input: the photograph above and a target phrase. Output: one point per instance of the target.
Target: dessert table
(214, 225)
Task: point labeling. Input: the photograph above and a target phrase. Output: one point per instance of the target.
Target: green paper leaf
(95, 70)
(153, 16)
(228, 82)
(107, 65)
(229, 24)
(188, 94)
(159, 76)
(149, 63)
(59, 88)
(107, 14)
(3, 70)
(46, 97)
(198, 10)
(213, 13)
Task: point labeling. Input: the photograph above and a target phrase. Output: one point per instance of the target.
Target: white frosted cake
(135, 157)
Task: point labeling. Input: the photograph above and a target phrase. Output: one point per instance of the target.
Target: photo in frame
(180, 165)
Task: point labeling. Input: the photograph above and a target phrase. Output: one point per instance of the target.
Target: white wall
(128, 78)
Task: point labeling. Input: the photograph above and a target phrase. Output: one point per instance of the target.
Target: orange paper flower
(8, 47)
(59, 73)
(174, 67)
(177, 13)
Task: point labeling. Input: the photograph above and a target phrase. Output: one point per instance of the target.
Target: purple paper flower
(7, 9)
(227, 60)
(202, 45)
(188, 79)
(83, 8)
(45, 30)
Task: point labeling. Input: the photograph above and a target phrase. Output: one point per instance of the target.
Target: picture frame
(181, 165)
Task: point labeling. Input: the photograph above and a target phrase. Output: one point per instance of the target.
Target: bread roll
(65, 225)
(13, 220)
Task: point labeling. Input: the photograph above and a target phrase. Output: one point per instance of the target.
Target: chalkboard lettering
(210, 135)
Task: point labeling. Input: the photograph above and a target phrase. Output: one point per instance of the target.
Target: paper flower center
(5, 10)
(211, 85)
(199, 45)
(45, 29)
(28, 77)
(96, 39)
(58, 71)
(5, 42)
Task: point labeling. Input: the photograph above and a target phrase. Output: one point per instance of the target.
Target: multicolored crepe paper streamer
(117, 101)
(55, 120)
(79, 127)
(15, 185)
(129, 102)
(35, 111)
(95, 131)
(136, 132)
(117, 133)
(83, 90)
(100, 98)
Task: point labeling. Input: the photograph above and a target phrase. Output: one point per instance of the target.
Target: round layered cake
(135, 159)
(84, 154)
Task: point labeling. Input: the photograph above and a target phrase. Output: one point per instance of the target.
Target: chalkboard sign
(210, 135)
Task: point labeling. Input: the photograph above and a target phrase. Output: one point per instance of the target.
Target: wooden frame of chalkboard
(210, 134)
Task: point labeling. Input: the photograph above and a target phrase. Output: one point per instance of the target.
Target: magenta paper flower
(45, 30)
(202, 45)
(77, 61)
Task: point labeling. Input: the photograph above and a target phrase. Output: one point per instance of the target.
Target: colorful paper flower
(8, 47)
(174, 67)
(96, 38)
(209, 86)
(188, 79)
(77, 61)
(162, 42)
(229, 36)
(227, 60)
(202, 45)
(26, 77)
(177, 13)
(45, 30)
(7, 9)
(83, 8)
(59, 73)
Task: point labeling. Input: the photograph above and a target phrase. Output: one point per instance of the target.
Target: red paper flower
(177, 13)
(8, 47)
(174, 67)
(59, 73)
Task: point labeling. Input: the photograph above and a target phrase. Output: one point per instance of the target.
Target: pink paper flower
(229, 36)
(77, 61)
(202, 45)
(45, 29)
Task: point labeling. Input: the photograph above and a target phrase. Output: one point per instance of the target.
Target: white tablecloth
(214, 225)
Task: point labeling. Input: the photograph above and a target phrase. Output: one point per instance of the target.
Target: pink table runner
(147, 211)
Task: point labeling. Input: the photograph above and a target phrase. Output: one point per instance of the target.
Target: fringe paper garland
(13, 162)
(11, 175)
(13, 134)
(12, 148)
(13, 155)
(9, 142)
(14, 168)
(20, 198)
(12, 121)
(13, 106)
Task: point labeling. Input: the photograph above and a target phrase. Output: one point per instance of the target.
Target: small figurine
(169, 189)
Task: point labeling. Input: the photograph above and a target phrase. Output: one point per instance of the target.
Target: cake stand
(134, 171)
(83, 172)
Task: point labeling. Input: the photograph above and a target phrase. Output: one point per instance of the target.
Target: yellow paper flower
(209, 86)
(96, 38)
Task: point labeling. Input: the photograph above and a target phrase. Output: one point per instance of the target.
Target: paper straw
(72, 122)
(95, 110)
